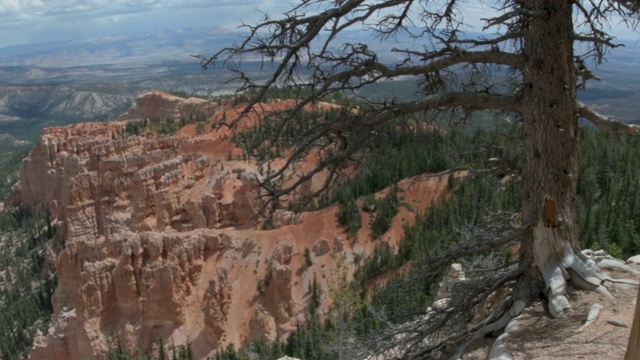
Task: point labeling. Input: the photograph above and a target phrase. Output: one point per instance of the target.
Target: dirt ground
(540, 337)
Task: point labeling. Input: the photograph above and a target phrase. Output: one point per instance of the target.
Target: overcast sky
(32, 21)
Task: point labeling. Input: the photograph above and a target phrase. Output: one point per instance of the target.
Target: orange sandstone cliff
(158, 237)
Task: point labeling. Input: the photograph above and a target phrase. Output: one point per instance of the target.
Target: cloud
(38, 8)
(32, 21)
(32, 9)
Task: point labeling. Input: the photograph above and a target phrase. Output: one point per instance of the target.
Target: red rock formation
(158, 238)
(162, 105)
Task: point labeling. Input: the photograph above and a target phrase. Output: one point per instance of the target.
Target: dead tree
(528, 47)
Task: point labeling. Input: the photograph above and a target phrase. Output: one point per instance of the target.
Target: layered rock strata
(158, 238)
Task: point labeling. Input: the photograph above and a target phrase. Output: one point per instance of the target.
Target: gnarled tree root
(503, 321)
(558, 269)
(615, 264)
(592, 315)
(560, 264)
(499, 349)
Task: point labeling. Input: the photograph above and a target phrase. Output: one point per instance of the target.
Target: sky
(34, 21)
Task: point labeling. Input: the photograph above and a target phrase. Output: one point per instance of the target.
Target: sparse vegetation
(307, 257)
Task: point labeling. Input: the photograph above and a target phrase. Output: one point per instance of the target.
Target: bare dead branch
(452, 69)
(608, 41)
(517, 13)
(595, 19)
(606, 123)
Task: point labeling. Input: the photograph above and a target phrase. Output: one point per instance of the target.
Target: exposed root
(584, 270)
(591, 271)
(442, 326)
(625, 281)
(618, 323)
(516, 308)
(555, 279)
(591, 316)
(559, 264)
(498, 349)
(558, 268)
(602, 290)
(616, 265)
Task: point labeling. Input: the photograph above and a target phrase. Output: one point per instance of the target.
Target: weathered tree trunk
(633, 346)
(550, 131)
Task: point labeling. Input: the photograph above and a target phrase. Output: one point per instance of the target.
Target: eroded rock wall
(158, 238)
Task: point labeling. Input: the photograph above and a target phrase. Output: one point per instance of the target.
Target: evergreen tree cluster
(185, 95)
(349, 216)
(608, 203)
(383, 210)
(275, 93)
(410, 152)
(117, 351)
(253, 139)
(25, 287)
(608, 194)
(156, 126)
(9, 164)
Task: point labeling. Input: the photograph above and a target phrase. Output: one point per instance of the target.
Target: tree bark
(633, 347)
(550, 130)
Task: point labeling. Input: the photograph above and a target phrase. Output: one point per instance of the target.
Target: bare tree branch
(606, 123)
(531, 56)
(595, 19)
(608, 41)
